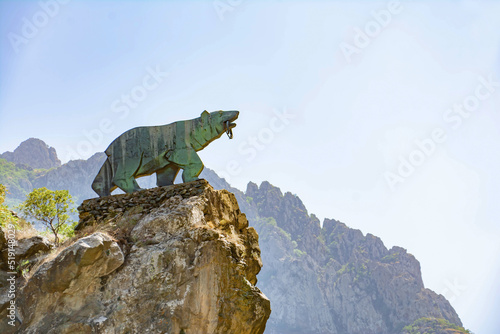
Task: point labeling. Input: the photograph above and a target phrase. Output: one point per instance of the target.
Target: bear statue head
(214, 124)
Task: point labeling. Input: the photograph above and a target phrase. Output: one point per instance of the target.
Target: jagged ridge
(337, 279)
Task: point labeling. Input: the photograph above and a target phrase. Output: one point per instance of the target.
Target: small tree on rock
(51, 208)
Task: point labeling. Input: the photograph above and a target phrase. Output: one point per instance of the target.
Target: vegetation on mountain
(434, 326)
(18, 179)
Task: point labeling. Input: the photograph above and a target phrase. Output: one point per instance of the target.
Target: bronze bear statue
(163, 150)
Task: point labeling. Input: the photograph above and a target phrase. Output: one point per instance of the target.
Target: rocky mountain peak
(33, 153)
(288, 210)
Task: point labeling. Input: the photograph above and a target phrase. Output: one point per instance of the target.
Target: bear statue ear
(204, 116)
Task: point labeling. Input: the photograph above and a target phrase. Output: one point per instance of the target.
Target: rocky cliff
(34, 153)
(329, 278)
(178, 259)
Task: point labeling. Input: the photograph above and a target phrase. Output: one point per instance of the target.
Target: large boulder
(29, 247)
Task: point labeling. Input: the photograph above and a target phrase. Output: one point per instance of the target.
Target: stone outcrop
(30, 251)
(96, 210)
(29, 247)
(27, 253)
(33, 153)
(178, 259)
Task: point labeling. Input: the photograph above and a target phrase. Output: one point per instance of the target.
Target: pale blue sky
(352, 120)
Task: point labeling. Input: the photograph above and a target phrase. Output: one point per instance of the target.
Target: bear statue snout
(229, 117)
(232, 115)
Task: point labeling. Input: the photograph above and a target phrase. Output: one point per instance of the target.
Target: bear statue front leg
(128, 185)
(188, 160)
(166, 176)
(192, 172)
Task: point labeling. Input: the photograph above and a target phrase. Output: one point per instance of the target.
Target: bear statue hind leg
(125, 178)
(166, 176)
(102, 184)
(99, 188)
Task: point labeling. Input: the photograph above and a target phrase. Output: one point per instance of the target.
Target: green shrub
(298, 253)
(6, 216)
(433, 326)
(52, 209)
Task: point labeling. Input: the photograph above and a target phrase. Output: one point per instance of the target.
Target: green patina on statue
(163, 150)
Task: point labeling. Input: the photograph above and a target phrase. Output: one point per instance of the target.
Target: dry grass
(109, 227)
(25, 230)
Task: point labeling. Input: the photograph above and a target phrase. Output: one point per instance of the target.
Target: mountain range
(321, 278)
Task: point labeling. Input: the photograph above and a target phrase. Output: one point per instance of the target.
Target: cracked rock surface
(187, 265)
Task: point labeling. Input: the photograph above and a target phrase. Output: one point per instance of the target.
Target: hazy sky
(384, 115)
